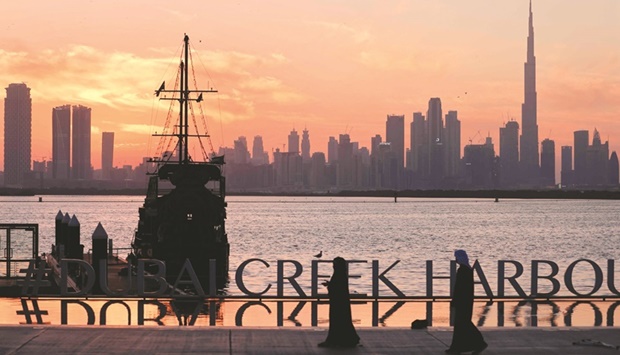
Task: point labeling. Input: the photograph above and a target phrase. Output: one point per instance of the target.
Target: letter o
(598, 277)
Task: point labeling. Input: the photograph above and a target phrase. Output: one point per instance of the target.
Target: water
(413, 230)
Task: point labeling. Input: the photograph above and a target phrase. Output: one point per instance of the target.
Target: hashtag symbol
(36, 311)
(34, 283)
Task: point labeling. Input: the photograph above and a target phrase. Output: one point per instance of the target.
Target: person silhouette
(466, 337)
(341, 331)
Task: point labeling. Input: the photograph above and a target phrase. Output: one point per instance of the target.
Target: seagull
(320, 254)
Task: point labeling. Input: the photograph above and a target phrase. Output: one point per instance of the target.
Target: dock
(244, 340)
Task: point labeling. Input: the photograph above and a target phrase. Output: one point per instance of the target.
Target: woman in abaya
(466, 336)
(341, 331)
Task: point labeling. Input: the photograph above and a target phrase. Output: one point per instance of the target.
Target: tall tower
(452, 143)
(61, 142)
(435, 139)
(529, 165)
(80, 157)
(17, 134)
(395, 135)
(509, 154)
(305, 145)
(293, 142)
(107, 154)
(547, 162)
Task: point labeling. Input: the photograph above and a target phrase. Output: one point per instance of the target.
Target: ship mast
(184, 99)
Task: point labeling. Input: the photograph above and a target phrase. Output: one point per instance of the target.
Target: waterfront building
(452, 145)
(61, 142)
(17, 134)
(259, 155)
(435, 140)
(597, 160)
(332, 150)
(344, 175)
(479, 166)
(529, 163)
(305, 145)
(567, 166)
(580, 146)
(293, 142)
(241, 153)
(547, 162)
(419, 147)
(509, 154)
(614, 170)
(80, 156)
(318, 178)
(395, 135)
(107, 155)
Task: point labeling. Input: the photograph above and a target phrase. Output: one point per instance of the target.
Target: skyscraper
(305, 145)
(61, 142)
(580, 147)
(419, 151)
(597, 161)
(107, 154)
(332, 150)
(80, 157)
(509, 154)
(567, 166)
(529, 162)
(259, 155)
(293, 142)
(395, 135)
(452, 144)
(547, 162)
(17, 134)
(435, 139)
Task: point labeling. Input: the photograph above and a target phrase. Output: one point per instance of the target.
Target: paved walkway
(241, 340)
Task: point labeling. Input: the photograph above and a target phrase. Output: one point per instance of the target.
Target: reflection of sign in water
(210, 312)
(187, 277)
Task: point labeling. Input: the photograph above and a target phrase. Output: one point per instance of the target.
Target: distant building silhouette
(529, 164)
(547, 162)
(17, 134)
(293, 142)
(259, 155)
(597, 162)
(305, 145)
(435, 140)
(509, 154)
(345, 162)
(418, 146)
(332, 150)
(107, 155)
(452, 145)
(61, 142)
(567, 166)
(395, 135)
(480, 169)
(580, 150)
(80, 158)
(614, 170)
(241, 153)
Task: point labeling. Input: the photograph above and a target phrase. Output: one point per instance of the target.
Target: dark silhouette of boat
(185, 222)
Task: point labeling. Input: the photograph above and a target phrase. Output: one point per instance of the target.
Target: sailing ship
(187, 222)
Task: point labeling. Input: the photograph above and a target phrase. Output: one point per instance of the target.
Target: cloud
(358, 36)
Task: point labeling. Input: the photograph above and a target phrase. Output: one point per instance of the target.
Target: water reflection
(302, 313)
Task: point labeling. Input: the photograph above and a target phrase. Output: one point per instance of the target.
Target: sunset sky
(331, 66)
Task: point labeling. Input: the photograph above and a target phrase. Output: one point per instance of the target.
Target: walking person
(466, 337)
(341, 331)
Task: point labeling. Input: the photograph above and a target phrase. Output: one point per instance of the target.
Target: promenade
(28, 339)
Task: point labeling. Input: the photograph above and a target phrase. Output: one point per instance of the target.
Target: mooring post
(99, 258)
(64, 230)
(73, 241)
(57, 233)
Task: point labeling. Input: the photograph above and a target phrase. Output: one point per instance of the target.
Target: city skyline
(484, 85)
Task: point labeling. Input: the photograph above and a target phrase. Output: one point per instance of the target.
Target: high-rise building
(344, 173)
(332, 150)
(293, 142)
(374, 143)
(305, 145)
(61, 142)
(547, 162)
(80, 157)
(614, 170)
(435, 140)
(509, 154)
(107, 154)
(259, 155)
(597, 160)
(419, 145)
(17, 134)
(452, 144)
(567, 166)
(580, 146)
(529, 163)
(241, 154)
(395, 135)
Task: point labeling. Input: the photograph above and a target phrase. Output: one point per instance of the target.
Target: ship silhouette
(185, 221)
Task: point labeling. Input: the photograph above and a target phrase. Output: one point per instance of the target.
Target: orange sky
(330, 66)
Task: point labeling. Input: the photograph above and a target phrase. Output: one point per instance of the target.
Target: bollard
(64, 227)
(100, 256)
(57, 233)
(73, 238)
